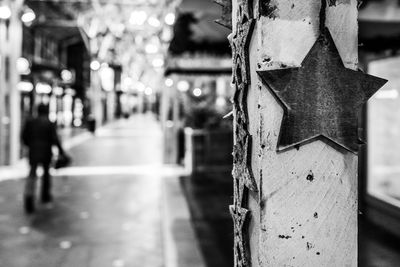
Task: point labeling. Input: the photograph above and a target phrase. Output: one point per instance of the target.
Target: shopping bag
(62, 161)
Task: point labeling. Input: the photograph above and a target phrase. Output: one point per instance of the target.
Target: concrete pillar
(15, 48)
(296, 207)
(3, 92)
(96, 105)
(165, 104)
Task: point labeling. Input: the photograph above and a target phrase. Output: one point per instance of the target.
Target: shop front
(380, 162)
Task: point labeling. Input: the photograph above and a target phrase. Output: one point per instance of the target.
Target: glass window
(384, 133)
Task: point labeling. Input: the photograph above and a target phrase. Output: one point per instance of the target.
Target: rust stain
(267, 9)
(310, 176)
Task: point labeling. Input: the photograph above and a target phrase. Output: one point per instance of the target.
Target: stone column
(15, 48)
(3, 88)
(297, 97)
(96, 104)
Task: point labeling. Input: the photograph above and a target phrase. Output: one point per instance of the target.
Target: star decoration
(239, 216)
(322, 97)
(241, 163)
(226, 18)
(245, 10)
(241, 116)
(241, 42)
(239, 193)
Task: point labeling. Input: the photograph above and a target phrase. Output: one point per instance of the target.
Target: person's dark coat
(39, 135)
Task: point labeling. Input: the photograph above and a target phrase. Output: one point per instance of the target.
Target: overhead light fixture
(169, 82)
(170, 19)
(28, 16)
(148, 91)
(151, 49)
(183, 86)
(197, 92)
(5, 12)
(127, 81)
(23, 66)
(24, 86)
(66, 75)
(138, 17)
(153, 21)
(158, 62)
(43, 88)
(95, 65)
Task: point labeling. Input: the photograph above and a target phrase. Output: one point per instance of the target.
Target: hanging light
(25, 86)
(66, 75)
(169, 82)
(28, 16)
(170, 19)
(153, 21)
(138, 17)
(23, 66)
(197, 92)
(183, 86)
(5, 12)
(148, 91)
(151, 49)
(43, 88)
(95, 65)
(157, 62)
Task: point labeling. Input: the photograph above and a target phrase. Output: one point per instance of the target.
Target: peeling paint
(267, 9)
(310, 176)
(338, 2)
(309, 245)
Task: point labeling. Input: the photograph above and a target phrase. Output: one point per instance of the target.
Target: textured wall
(296, 207)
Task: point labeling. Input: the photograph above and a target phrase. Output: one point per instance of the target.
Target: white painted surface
(319, 217)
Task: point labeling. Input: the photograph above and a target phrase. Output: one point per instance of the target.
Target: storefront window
(384, 133)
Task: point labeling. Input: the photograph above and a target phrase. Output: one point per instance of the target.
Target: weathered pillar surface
(295, 154)
(307, 215)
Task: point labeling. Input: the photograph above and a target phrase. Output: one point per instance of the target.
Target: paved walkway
(107, 209)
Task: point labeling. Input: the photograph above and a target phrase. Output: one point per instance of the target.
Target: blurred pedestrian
(39, 135)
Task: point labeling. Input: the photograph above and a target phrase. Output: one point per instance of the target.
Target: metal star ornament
(322, 98)
(226, 17)
(240, 45)
(240, 216)
(245, 9)
(241, 163)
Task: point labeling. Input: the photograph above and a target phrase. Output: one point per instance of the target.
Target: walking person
(39, 135)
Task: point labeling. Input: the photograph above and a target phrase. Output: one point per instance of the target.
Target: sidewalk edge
(181, 248)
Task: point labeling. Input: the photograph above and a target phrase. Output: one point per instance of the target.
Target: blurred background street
(107, 208)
